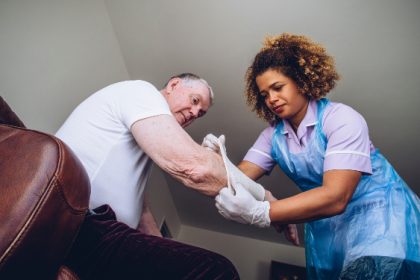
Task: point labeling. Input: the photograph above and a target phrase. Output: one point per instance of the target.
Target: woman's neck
(297, 119)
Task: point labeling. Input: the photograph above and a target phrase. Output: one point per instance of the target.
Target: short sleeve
(260, 152)
(138, 100)
(348, 140)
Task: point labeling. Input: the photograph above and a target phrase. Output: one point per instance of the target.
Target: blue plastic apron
(382, 218)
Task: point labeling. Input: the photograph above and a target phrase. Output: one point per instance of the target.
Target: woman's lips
(278, 109)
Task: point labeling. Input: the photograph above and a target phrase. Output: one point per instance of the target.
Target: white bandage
(235, 176)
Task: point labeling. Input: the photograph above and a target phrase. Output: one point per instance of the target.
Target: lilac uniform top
(348, 144)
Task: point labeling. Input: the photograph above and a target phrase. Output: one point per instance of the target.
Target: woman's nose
(272, 97)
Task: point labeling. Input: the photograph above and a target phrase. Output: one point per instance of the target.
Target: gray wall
(53, 55)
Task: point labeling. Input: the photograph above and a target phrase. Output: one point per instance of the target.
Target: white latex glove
(235, 176)
(242, 207)
(212, 142)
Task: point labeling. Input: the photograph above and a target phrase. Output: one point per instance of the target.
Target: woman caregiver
(362, 220)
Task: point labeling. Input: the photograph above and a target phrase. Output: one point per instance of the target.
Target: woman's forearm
(325, 201)
(310, 205)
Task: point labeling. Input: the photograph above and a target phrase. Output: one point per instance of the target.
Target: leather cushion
(44, 195)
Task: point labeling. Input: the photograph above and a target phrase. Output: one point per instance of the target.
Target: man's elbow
(204, 180)
(198, 177)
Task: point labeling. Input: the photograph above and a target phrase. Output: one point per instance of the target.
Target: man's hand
(147, 223)
(235, 175)
(290, 232)
(242, 207)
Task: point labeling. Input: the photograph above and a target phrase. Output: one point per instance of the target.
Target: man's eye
(195, 101)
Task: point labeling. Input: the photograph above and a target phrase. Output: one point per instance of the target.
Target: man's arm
(173, 150)
(147, 221)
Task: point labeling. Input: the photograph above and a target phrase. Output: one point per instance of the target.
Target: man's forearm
(205, 172)
(173, 150)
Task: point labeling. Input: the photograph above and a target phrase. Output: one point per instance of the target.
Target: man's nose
(195, 111)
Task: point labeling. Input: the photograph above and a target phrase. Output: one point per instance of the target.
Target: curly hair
(296, 57)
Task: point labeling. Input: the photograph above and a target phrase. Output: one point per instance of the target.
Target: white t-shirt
(98, 131)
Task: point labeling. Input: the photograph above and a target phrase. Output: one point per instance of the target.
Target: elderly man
(117, 133)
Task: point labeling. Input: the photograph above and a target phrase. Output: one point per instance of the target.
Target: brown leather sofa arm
(44, 196)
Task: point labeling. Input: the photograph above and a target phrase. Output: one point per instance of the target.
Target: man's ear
(172, 84)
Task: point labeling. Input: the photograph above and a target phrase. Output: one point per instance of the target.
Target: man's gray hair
(190, 77)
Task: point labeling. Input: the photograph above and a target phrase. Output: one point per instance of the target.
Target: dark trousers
(108, 249)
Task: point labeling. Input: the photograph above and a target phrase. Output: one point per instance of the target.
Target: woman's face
(282, 96)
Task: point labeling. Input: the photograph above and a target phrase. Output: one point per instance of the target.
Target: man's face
(188, 100)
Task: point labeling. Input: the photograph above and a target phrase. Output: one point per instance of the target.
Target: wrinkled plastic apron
(382, 218)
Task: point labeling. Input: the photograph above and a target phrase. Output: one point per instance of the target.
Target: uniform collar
(309, 120)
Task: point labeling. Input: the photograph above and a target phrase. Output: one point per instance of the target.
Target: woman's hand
(242, 207)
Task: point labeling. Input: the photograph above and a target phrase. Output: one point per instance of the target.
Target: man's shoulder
(135, 84)
(128, 90)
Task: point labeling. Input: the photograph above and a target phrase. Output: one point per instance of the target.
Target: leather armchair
(44, 195)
